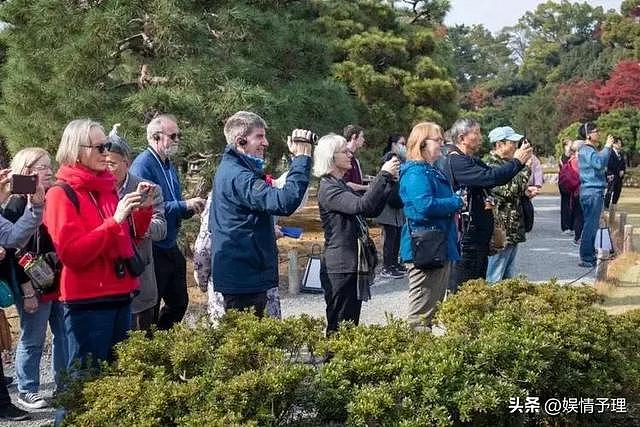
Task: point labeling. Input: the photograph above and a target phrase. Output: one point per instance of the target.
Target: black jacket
(617, 163)
(476, 177)
(339, 206)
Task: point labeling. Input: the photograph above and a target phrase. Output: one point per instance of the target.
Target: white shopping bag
(603, 240)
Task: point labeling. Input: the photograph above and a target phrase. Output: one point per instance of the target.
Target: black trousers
(613, 192)
(5, 399)
(391, 245)
(341, 296)
(472, 264)
(255, 302)
(171, 275)
(566, 219)
(578, 220)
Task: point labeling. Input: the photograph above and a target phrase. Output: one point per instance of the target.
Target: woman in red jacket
(92, 234)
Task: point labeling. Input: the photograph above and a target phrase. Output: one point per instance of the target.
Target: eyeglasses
(102, 148)
(173, 136)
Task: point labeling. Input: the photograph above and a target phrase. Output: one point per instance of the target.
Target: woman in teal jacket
(429, 202)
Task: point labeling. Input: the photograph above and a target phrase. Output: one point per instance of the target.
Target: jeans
(33, 327)
(92, 333)
(502, 265)
(592, 205)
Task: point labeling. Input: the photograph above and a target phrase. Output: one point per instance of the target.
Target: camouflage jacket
(507, 197)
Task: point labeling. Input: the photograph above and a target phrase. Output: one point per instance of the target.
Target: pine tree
(201, 60)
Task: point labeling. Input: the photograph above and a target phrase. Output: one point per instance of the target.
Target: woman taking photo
(346, 271)
(36, 308)
(92, 232)
(429, 203)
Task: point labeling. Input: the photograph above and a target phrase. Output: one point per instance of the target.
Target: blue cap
(504, 133)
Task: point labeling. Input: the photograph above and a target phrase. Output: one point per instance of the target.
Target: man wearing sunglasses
(154, 164)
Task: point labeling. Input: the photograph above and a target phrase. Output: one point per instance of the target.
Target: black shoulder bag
(428, 247)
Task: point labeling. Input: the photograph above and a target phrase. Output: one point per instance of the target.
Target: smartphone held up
(23, 184)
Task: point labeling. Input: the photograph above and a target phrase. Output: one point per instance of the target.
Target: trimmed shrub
(512, 340)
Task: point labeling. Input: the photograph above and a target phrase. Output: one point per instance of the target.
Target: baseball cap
(118, 144)
(504, 133)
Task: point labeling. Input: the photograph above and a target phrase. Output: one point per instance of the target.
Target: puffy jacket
(244, 253)
(593, 165)
(429, 202)
(88, 241)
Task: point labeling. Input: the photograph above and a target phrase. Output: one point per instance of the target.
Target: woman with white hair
(93, 233)
(349, 260)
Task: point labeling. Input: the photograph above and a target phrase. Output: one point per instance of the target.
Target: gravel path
(547, 253)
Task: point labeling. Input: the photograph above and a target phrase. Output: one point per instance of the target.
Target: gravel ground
(547, 253)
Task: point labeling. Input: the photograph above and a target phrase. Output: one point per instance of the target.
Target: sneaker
(587, 264)
(391, 273)
(32, 400)
(568, 232)
(10, 412)
(576, 242)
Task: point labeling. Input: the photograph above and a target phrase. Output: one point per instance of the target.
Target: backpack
(568, 179)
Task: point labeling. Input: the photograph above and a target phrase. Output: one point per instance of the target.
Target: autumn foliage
(621, 90)
(576, 101)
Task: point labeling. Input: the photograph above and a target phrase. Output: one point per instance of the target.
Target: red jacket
(89, 241)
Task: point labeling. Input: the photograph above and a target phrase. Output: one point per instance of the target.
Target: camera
(304, 136)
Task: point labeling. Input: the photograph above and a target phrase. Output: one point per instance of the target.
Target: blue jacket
(149, 166)
(429, 202)
(244, 256)
(592, 166)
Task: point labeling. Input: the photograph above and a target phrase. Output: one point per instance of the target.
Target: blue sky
(496, 14)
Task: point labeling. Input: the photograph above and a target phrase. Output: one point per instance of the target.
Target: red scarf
(102, 186)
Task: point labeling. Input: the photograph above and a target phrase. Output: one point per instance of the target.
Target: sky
(496, 14)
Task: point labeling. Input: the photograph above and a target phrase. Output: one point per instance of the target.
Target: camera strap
(95, 203)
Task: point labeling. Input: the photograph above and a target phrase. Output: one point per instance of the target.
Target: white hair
(324, 153)
(157, 125)
(241, 124)
(75, 134)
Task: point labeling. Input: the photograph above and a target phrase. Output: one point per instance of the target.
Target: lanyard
(166, 178)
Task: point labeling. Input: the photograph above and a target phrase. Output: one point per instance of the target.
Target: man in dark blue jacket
(154, 164)
(469, 173)
(244, 253)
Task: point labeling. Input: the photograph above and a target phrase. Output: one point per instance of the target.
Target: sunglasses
(102, 148)
(173, 136)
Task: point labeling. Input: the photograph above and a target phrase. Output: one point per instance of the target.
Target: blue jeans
(592, 205)
(92, 333)
(503, 264)
(33, 328)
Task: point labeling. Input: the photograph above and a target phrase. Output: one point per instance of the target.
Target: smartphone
(23, 184)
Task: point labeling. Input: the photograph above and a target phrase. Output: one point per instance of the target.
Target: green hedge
(515, 339)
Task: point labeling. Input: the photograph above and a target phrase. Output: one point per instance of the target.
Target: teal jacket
(429, 202)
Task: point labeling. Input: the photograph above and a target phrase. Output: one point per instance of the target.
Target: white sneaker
(32, 400)
(568, 232)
